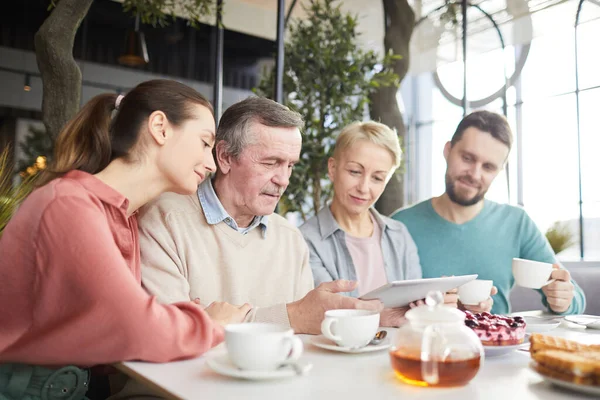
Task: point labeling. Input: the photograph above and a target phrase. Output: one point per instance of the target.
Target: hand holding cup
(476, 296)
(559, 293)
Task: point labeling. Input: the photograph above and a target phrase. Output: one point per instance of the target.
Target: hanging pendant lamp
(135, 53)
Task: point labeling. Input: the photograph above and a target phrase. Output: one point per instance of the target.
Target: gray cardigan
(331, 260)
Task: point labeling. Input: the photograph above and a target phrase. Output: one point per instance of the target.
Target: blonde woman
(349, 239)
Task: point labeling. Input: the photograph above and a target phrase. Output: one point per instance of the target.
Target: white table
(366, 376)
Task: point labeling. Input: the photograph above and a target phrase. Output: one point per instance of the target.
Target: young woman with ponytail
(70, 292)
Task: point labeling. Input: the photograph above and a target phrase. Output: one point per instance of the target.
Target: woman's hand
(393, 316)
(225, 313)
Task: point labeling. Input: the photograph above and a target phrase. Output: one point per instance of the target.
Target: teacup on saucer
(261, 346)
(350, 328)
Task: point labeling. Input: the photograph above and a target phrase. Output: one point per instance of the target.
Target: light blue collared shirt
(215, 213)
(330, 258)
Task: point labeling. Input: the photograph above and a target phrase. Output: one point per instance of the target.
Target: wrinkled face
(472, 164)
(360, 175)
(262, 172)
(186, 158)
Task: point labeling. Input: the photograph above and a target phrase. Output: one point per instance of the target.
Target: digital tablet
(402, 293)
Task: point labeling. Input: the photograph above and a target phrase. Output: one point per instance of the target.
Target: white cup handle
(326, 326)
(296, 346)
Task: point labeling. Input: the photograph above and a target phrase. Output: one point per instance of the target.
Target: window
(550, 66)
(589, 102)
(587, 50)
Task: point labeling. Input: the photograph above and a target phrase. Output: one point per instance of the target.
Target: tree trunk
(61, 76)
(384, 106)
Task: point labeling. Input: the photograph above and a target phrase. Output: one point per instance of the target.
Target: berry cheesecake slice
(496, 330)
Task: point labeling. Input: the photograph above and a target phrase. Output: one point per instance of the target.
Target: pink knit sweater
(70, 290)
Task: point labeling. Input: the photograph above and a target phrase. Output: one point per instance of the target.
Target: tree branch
(61, 76)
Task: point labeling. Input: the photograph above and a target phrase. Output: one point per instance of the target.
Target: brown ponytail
(84, 143)
(91, 140)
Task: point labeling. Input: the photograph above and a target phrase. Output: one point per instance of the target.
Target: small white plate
(221, 364)
(495, 351)
(589, 321)
(324, 343)
(588, 389)
(539, 325)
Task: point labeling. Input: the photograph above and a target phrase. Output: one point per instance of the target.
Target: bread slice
(564, 361)
(544, 342)
(581, 380)
(577, 367)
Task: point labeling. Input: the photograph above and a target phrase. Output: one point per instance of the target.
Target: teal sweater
(484, 245)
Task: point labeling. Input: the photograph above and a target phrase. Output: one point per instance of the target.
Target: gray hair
(235, 124)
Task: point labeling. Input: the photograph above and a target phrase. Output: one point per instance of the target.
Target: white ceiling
(259, 18)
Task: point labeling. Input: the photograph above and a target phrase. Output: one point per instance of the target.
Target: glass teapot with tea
(435, 348)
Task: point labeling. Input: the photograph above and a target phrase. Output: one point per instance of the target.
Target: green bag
(32, 382)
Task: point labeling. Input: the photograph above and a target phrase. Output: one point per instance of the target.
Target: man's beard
(451, 191)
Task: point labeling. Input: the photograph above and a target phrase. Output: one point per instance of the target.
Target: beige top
(367, 258)
(184, 258)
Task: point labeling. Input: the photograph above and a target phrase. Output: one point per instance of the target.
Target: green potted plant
(11, 195)
(328, 79)
(560, 237)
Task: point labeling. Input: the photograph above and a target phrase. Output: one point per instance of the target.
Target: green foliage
(560, 237)
(11, 195)
(37, 149)
(157, 12)
(37, 144)
(327, 79)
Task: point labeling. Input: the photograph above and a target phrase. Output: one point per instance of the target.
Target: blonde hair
(374, 132)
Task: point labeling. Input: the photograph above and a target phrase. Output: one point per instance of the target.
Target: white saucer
(539, 325)
(589, 321)
(588, 389)
(324, 343)
(221, 364)
(495, 351)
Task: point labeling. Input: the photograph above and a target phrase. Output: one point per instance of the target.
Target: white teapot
(435, 348)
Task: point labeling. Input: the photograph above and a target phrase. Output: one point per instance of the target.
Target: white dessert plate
(324, 343)
(539, 325)
(402, 293)
(496, 351)
(221, 364)
(587, 389)
(589, 321)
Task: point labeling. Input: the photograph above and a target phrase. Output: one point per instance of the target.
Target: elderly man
(225, 244)
(460, 232)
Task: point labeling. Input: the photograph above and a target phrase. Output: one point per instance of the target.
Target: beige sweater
(184, 258)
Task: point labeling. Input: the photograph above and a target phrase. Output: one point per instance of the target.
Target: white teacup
(531, 274)
(474, 292)
(350, 328)
(260, 346)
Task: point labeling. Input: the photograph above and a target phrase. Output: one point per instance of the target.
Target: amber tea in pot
(450, 372)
